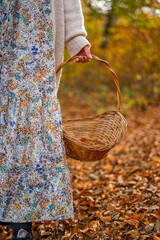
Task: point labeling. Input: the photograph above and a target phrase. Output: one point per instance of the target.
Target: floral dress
(34, 174)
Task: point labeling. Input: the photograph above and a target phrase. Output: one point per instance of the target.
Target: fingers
(82, 59)
(76, 60)
(84, 55)
(87, 51)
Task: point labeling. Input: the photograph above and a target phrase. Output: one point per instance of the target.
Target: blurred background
(126, 33)
(125, 184)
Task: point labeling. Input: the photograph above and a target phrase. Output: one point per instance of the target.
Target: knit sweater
(68, 30)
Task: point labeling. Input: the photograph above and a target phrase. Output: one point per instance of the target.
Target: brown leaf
(67, 234)
(93, 225)
(87, 203)
(157, 225)
(133, 233)
(75, 230)
(149, 227)
(143, 237)
(133, 222)
(108, 232)
(92, 233)
(106, 219)
(108, 168)
(83, 207)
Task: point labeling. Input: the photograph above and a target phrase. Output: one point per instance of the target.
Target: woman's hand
(84, 55)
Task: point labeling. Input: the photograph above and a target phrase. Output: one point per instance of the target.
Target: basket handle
(115, 78)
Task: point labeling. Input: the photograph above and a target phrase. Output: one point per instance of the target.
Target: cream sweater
(68, 30)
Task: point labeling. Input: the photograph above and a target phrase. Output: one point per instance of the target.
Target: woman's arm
(75, 32)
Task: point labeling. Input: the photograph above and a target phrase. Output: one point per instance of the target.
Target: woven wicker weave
(90, 139)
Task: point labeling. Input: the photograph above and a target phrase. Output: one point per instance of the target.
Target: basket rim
(83, 144)
(93, 117)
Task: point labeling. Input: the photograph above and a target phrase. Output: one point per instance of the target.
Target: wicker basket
(90, 139)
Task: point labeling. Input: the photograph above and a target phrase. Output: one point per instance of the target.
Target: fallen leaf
(156, 238)
(158, 212)
(133, 222)
(106, 219)
(94, 225)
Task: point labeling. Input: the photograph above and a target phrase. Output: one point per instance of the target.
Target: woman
(34, 174)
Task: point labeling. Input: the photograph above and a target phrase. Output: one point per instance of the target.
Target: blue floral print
(34, 174)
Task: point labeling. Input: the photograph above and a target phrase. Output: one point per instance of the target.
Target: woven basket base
(90, 139)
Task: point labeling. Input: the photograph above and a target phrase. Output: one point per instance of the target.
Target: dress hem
(36, 221)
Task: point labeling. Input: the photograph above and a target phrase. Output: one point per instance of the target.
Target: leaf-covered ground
(118, 197)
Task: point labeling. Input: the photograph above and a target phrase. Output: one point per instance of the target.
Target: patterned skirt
(35, 182)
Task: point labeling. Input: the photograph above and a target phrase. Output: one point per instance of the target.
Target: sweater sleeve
(75, 32)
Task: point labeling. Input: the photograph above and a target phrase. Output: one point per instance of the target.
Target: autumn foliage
(117, 198)
(128, 37)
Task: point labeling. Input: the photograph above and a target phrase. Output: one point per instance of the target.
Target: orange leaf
(108, 232)
(156, 160)
(108, 168)
(94, 225)
(156, 238)
(133, 222)
(158, 212)
(82, 139)
(106, 219)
